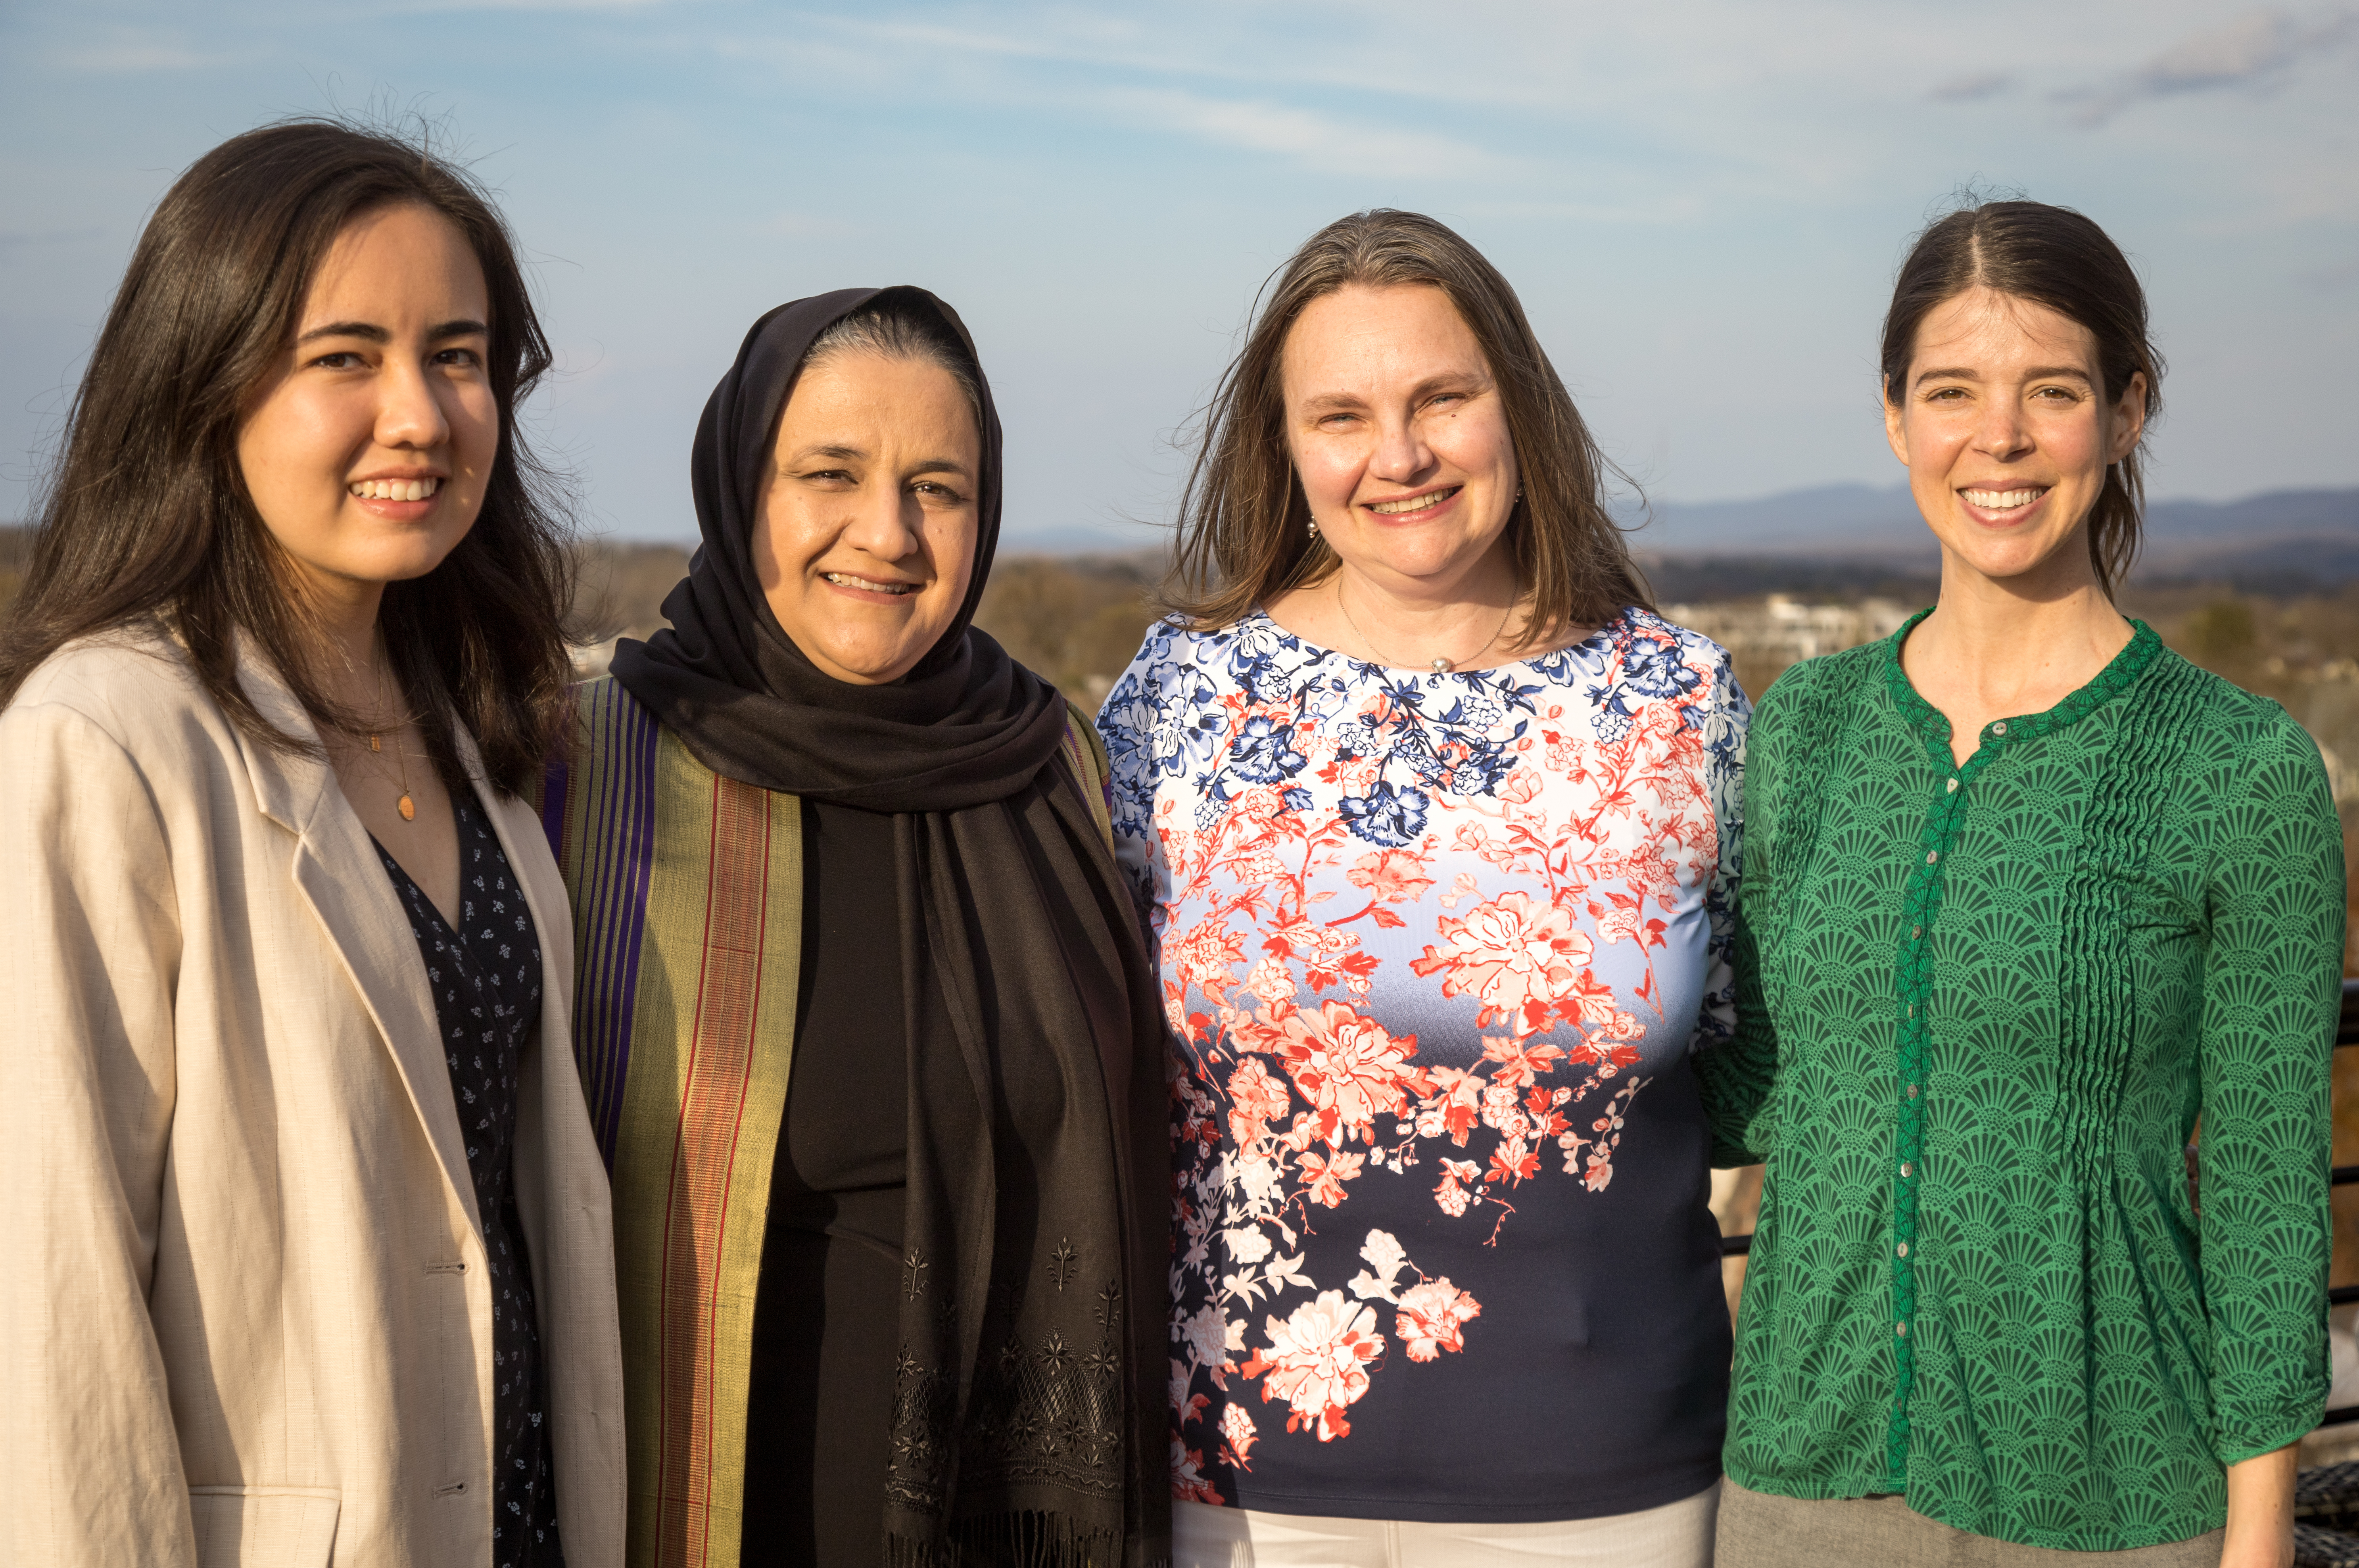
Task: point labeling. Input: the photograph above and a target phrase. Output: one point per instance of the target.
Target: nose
(410, 414)
(1402, 452)
(2001, 434)
(887, 521)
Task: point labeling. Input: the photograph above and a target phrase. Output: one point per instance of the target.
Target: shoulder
(1173, 644)
(603, 702)
(1830, 682)
(605, 738)
(1693, 647)
(2236, 744)
(1081, 733)
(134, 683)
(1175, 667)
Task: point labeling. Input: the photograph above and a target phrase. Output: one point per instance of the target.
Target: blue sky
(1700, 203)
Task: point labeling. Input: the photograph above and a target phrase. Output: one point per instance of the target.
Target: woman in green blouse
(2026, 897)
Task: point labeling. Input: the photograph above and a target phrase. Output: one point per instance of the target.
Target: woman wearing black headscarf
(864, 1013)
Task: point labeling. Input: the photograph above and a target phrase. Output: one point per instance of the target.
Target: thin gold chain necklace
(1439, 666)
(408, 807)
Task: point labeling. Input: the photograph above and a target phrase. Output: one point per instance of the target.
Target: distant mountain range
(2298, 535)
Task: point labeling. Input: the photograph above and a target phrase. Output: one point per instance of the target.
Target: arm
(1738, 1073)
(1126, 725)
(2271, 993)
(2260, 1510)
(89, 952)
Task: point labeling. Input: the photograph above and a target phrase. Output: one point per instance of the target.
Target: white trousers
(1676, 1535)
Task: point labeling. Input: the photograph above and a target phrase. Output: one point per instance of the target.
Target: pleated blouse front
(1981, 1010)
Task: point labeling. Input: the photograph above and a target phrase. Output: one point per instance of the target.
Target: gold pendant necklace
(408, 807)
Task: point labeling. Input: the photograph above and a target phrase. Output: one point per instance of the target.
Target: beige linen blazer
(246, 1319)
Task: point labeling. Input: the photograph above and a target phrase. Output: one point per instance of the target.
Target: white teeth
(2003, 500)
(846, 580)
(1414, 503)
(394, 489)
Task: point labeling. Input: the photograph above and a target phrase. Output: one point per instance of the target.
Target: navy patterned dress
(487, 980)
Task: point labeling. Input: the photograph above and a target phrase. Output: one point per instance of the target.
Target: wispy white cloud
(121, 50)
(2256, 52)
(1315, 140)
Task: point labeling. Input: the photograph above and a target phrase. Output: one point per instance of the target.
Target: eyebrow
(2037, 373)
(1473, 381)
(855, 454)
(369, 331)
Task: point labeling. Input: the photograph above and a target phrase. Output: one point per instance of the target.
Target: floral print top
(1437, 951)
(485, 976)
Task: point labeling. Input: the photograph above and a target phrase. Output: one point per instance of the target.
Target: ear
(2129, 420)
(1896, 431)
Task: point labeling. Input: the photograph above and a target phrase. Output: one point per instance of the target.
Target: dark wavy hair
(146, 513)
(1244, 538)
(2053, 256)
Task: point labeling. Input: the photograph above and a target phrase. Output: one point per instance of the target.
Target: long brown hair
(146, 513)
(1244, 520)
(2057, 257)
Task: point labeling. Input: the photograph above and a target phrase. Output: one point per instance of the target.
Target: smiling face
(367, 452)
(1396, 430)
(2008, 433)
(868, 523)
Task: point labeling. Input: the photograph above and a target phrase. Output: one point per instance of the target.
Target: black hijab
(1028, 1417)
(968, 724)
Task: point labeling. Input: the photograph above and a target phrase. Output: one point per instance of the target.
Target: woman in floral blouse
(1434, 821)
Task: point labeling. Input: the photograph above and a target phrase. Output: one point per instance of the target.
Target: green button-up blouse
(1982, 1008)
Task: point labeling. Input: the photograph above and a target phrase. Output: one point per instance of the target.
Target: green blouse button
(1931, 856)
(1901, 1329)
(1999, 728)
(1903, 1249)
(1907, 1169)
(1911, 1091)
(1953, 786)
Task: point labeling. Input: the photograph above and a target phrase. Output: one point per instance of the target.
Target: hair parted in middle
(899, 328)
(2060, 259)
(1244, 535)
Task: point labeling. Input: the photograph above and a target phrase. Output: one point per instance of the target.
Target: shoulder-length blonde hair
(1244, 535)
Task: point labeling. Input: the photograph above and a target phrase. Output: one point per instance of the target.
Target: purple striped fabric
(605, 833)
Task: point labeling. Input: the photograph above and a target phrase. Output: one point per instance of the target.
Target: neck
(2021, 632)
(1415, 619)
(349, 665)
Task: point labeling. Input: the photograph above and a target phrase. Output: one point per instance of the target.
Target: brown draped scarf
(1027, 1420)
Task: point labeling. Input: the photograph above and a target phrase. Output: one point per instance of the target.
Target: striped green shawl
(687, 898)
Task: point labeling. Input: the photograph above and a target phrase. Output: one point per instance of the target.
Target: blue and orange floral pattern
(1424, 941)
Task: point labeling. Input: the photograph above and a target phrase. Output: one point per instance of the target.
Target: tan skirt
(1759, 1531)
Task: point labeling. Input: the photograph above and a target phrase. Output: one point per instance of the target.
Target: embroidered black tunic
(486, 981)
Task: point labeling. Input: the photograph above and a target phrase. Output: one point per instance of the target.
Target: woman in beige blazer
(312, 1244)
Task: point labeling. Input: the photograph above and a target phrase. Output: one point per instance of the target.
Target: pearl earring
(1314, 527)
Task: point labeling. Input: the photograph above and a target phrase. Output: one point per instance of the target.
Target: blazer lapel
(336, 867)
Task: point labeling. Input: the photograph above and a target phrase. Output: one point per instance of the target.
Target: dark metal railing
(2345, 1033)
(2344, 1176)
